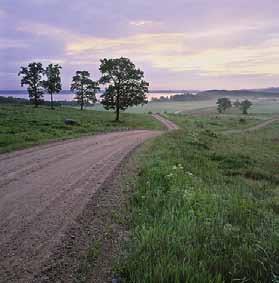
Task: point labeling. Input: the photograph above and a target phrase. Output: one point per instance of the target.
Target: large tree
(53, 83)
(32, 77)
(245, 105)
(84, 88)
(223, 104)
(125, 84)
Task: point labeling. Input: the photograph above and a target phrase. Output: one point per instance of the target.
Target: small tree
(32, 77)
(126, 86)
(236, 104)
(53, 83)
(223, 104)
(245, 105)
(84, 88)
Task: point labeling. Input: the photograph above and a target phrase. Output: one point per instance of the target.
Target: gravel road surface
(45, 188)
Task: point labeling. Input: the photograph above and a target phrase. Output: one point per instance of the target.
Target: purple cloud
(179, 44)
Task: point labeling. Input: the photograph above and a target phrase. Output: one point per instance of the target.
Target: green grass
(206, 207)
(166, 107)
(218, 122)
(22, 125)
(271, 107)
(259, 107)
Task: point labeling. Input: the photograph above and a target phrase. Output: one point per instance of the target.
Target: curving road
(170, 126)
(254, 128)
(45, 188)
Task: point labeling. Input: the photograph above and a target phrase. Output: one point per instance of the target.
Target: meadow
(205, 205)
(23, 125)
(271, 107)
(165, 107)
(264, 107)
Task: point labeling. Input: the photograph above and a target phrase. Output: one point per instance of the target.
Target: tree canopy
(223, 104)
(125, 84)
(84, 88)
(245, 105)
(32, 77)
(53, 83)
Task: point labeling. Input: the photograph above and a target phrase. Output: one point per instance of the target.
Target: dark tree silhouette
(125, 84)
(84, 88)
(32, 77)
(245, 105)
(53, 83)
(223, 104)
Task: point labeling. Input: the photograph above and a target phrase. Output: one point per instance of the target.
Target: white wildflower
(228, 228)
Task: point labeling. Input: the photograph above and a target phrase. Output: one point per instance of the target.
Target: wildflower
(228, 228)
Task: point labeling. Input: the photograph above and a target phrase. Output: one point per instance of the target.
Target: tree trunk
(82, 101)
(36, 99)
(117, 114)
(51, 101)
(117, 108)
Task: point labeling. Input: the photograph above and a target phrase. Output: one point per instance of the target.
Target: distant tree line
(16, 100)
(124, 84)
(225, 103)
(178, 97)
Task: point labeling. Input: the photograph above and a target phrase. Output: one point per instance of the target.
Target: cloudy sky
(180, 44)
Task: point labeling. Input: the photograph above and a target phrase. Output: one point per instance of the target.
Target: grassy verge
(217, 122)
(206, 207)
(23, 125)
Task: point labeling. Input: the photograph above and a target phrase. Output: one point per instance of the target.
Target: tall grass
(194, 221)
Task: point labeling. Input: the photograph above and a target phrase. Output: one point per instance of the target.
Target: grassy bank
(205, 207)
(22, 125)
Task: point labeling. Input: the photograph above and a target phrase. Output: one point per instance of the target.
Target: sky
(190, 44)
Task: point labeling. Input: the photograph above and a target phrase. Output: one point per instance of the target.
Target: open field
(163, 107)
(205, 207)
(259, 106)
(23, 125)
(266, 107)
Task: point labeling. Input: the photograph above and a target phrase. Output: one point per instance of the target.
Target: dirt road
(168, 124)
(44, 189)
(254, 128)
